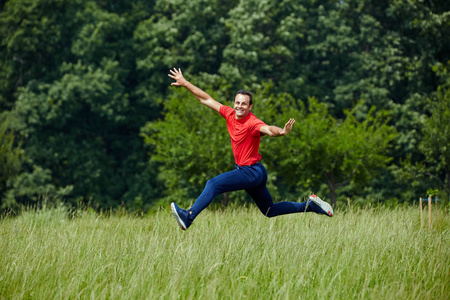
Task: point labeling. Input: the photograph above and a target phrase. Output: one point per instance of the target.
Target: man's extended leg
(263, 200)
(261, 195)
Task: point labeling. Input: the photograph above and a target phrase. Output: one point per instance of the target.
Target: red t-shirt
(245, 136)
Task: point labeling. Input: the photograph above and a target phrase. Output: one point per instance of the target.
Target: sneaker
(319, 206)
(181, 215)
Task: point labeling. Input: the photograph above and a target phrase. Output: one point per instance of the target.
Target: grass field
(358, 254)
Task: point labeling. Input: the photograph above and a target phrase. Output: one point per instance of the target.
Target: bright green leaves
(190, 145)
(323, 150)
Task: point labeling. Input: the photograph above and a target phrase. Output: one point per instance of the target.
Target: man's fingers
(290, 122)
(177, 76)
(175, 73)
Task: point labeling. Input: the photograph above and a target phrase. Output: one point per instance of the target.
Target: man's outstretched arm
(277, 131)
(201, 95)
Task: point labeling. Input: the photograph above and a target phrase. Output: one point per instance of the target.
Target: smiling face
(242, 106)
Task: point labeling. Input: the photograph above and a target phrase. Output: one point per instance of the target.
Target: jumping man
(245, 131)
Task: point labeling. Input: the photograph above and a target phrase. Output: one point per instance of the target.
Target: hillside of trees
(87, 113)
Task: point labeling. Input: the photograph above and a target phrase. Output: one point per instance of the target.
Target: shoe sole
(323, 205)
(176, 216)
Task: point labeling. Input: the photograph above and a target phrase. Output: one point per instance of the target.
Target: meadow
(360, 253)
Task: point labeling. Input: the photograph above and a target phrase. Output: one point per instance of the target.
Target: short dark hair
(250, 96)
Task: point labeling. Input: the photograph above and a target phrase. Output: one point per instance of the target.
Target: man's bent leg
(234, 180)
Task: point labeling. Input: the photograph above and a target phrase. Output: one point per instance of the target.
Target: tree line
(88, 114)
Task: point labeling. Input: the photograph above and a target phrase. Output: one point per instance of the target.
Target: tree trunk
(332, 186)
(225, 201)
(333, 196)
(448, 184)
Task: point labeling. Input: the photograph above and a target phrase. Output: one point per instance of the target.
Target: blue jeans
(253, 180)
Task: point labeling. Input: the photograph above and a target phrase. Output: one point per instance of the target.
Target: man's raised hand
(178, 77)
(288, 126)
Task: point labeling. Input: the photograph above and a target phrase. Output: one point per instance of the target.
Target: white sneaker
(319, 206)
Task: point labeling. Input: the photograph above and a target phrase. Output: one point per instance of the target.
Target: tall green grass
(358, 254)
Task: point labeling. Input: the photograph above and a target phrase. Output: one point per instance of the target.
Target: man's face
(242, 106)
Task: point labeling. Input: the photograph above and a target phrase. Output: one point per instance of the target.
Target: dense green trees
(78, 106)
(84, 90)
(335, 152)
(435, 144)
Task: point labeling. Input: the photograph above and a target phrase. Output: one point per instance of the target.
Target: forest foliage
(88, 114)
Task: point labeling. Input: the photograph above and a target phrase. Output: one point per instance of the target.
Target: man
(245, 131)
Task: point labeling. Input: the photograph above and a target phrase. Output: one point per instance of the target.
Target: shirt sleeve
(257, 126)
(225, 111)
